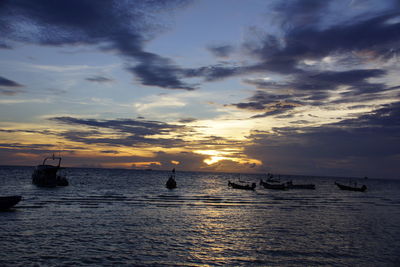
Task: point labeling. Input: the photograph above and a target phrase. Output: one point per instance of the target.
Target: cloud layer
(369, 143)
(121, 26)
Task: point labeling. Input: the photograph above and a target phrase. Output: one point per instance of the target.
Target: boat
(46, 175)
(171, 183)
(242, 186)
(273, 186)
(290, 185)
(270, 178)
(351, 188)
(9, 202)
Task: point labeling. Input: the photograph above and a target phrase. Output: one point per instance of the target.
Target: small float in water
(8, 202)
(46, 175)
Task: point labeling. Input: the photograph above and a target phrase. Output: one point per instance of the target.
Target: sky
(297, 87)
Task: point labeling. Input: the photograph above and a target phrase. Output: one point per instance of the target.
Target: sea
(117, 217)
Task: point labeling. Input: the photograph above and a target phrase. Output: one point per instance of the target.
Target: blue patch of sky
(207, 23)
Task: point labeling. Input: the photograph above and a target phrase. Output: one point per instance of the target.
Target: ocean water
(109, 217)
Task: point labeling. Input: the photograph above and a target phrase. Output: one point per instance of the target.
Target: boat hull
(171, 184)
(350, 188)
(243, 187)
(290, 185)
(46, 176)
(273, 186)
(9, 202)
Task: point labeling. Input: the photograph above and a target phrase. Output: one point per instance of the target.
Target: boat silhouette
(46, 175)
(242, 186)
(274, 186)
(171, 183)
(9, 202)
(351, 188)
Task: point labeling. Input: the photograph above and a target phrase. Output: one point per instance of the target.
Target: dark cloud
(45, 132)
(137, 133)
(136, 140)
(331, 80)
(154, 70)
(271, 104)
(127, 125)
(275, 109)
(374, 35)
(125, 27)
(214, 72)
(122, 26)
(311, 88)
(187, 120)
(221, 51)
(109, 151)
(305, 36)
(99, 79)
(4, 45)
(367, 145)
(27, 154)
(126, 132)
(386, 119)
(9, 92)
(327, 80)
(8, 83)
(9, 87)
(26, 148)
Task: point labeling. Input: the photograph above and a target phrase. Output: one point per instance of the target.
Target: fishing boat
(9, 202)
(273, 186)
(351, 188)
(290, 185)
(171, 183)
(242, 186)
(46, 175)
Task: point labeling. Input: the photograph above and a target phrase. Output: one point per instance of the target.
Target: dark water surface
(125, 217)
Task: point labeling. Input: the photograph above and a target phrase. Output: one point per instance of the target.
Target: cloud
(125, 132)
(306, 35)
(187, 120)
(154, 70)
(312, 88)
(276, 109)
(8, 83)
(121, 26)
(9, 87)
(99, 79)
(271, 104)
(301, 43)
(45, 132)
(109, 151)
(367, 145)
(214, 72)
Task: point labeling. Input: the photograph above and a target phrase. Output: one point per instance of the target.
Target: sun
(228, 154)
